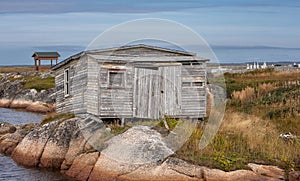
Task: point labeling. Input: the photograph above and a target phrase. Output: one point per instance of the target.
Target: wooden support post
(51, 62)
(35, 68)
(39, 65)
(122, 122)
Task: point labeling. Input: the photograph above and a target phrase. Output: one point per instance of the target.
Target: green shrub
(172, 122)
(35, 82)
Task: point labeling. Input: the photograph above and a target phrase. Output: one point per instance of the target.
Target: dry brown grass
(263, 105)
(246, 95)
(242, 139)
(9, 69)
(254, 129)
(275, 75)
(264, 88)
(261, 136)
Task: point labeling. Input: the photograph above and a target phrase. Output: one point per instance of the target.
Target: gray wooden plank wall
(115, 102)
(74, 103)
(157, 91)
(193, 98)
(91, 95)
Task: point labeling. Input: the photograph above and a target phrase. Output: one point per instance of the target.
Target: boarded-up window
(116, 78)
(67, 82)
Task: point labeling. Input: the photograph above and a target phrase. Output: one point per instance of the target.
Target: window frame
(117, 71)
(67, 82)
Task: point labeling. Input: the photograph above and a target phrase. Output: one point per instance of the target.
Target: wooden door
(157, 92)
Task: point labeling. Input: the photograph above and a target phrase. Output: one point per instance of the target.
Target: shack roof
(46, 54)
(101, 54)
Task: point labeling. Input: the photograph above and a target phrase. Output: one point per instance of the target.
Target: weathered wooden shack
(137, 81)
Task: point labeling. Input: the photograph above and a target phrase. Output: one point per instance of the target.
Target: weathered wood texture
(91, 96)
(193, 96)
(139, 52)
(157, 91)
(134, 87)
(74, 103)
(116, 101)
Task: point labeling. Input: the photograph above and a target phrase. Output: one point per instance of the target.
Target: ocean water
(225, 54)
(257, 54)
(9, 170)
(19, 117)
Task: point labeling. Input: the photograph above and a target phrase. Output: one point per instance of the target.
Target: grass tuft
(53, 117)
(172, 122)
(117, 129)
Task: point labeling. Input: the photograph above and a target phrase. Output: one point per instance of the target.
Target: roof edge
(37, 53)
(69, 59)
(142, 46)
(80, 54)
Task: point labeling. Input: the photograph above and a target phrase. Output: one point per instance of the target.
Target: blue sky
(68, 26)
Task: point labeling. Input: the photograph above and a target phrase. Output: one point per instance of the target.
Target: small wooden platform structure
(39, 56)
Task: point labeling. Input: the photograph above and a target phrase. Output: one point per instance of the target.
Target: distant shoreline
(227, 63)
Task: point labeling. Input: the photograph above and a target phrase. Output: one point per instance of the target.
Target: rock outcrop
(294, 176)
(13, 93)
(11, 136)
(138, 145)
(268, 171)
(30, 149)
(58, 144)
(61, 145)
(83, 165)
(76, 147)
(7, 128)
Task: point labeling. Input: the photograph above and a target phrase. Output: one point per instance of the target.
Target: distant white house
(256, 66)
(264, 65)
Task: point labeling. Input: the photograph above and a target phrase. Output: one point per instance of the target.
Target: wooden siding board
(156, 91)
(140, 97)
(115, 102)
(75, 102)
(193, 98)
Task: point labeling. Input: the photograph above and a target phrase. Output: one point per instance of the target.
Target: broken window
(116, 78)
